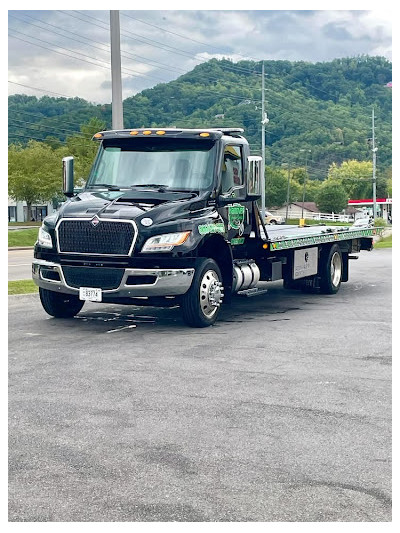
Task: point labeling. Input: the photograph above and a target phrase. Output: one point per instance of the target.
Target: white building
(18, 211)
(296, 209)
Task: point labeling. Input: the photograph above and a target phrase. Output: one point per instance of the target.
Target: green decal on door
(236, 217)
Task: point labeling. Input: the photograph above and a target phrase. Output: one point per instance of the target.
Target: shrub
(380, 222)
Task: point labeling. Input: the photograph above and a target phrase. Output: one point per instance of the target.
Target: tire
(273, 222)
(331, 270)
(60, 305)
(201, 304)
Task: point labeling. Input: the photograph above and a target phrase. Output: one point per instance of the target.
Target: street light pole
(116, 82)
(374, 150)
(263, 145)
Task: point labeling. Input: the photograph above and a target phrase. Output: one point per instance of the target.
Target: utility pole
(374, 150)
(287, 195)
(116, 83)
(304, 183)
(264, 121)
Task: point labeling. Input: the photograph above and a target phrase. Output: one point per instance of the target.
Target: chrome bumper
(168, 282)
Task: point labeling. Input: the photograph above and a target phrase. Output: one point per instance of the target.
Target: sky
(67, 52)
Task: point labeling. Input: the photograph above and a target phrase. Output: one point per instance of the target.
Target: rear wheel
(60, 305)
(331, 272)
(201, 304)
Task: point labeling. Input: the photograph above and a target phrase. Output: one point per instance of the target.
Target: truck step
(252, 292)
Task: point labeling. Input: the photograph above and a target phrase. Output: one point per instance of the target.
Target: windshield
(183, 164)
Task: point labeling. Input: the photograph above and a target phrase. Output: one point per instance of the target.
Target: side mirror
(254, 176)
(68, 176)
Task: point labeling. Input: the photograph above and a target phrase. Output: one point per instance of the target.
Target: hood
(132, 204)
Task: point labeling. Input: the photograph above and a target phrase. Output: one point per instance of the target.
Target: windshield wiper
(160, 186)
(105, 185)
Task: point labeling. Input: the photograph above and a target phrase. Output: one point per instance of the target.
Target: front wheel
(201, 304)
(331, 270)
(60, 305)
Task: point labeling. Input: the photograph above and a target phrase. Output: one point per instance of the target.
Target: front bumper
(165, 282)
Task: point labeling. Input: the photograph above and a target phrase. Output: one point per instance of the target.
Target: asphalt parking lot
(280, 412)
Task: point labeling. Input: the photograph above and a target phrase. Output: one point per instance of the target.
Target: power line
(105, 64)
(106, 49)
(32, 125)
(237, 69)
(246, 57)
(42, 90)
(168, 31)
(153, 43)
(125, 70)
(159, 45)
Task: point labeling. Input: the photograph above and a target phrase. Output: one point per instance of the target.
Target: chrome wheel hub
(336, 269)
(211, 293)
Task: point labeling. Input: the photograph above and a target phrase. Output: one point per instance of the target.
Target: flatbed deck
(288, 236)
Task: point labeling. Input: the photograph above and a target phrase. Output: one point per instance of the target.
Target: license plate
(90, 294)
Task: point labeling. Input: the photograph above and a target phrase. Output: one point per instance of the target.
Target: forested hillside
(322, 109)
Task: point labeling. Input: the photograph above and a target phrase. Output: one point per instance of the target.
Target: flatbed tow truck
(170, 217)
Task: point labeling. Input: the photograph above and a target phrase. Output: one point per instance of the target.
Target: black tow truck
(170, 217)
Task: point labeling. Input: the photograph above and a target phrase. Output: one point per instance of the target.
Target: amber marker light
(134, 132)
(97, 135)
(147, 132)
(204, 134)
(265, 246)
(160, 132)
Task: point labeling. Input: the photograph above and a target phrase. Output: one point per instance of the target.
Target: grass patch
(25, 286)
(36, 224)
(311, 222)
(23, 237)
(386, 242)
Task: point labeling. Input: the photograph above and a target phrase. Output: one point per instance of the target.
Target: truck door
(233, 208)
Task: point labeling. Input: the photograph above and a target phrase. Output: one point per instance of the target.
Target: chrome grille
(108, 237)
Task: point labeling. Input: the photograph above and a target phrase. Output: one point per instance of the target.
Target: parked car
(363, 223)
(273, 219)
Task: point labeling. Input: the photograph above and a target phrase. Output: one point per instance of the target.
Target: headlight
(165, 242)
(44, 238)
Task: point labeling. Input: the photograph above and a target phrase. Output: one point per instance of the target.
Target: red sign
(369, 201)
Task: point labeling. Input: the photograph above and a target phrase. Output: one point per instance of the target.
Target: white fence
(316, 216)
(331, 216)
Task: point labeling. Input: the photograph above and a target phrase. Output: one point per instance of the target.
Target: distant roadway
(20, 264)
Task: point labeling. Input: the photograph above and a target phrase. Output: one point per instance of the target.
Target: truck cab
(158, 205)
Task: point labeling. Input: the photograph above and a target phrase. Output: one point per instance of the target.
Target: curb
(21, 248)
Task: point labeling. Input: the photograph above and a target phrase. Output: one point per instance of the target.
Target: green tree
(276, 183)
(312, 190)
(332, 197)
(34, 173)
(83, 148)
(275, 187)
(355, 176)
